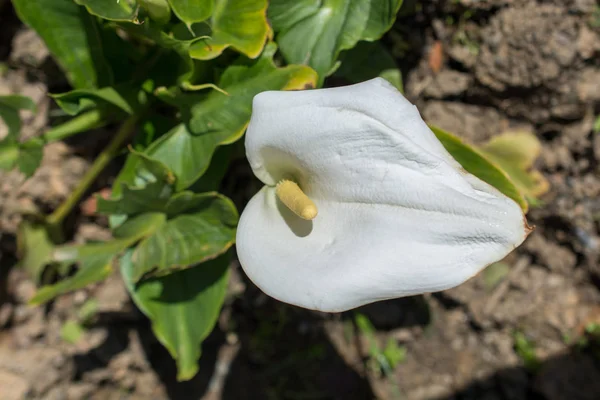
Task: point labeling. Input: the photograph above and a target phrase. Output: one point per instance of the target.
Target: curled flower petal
(398, 215)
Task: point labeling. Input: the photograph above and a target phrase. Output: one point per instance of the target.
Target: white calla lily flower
(361, 202)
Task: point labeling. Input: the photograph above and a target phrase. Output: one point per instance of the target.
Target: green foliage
(71, 331)
(26, 156)
(202, 227)
(515, 153)
(74, 329)
(179, 77)
(315, 32)
(241, 24)
(10, 106)
(525, 349)
(123, 98)
(183, 306)
(96, 259)
(34, 248)
(151, 189)
(158, 10)
(477, 164)
(369, 60)
(72, 36)
(214, 118)
(390, 356)
(597, 125)
(87, 311)
(190, 11)
(121, 10)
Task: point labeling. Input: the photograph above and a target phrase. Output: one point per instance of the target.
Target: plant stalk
(81, 123)
(55, 219)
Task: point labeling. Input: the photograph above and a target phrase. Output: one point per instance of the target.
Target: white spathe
(398, 215)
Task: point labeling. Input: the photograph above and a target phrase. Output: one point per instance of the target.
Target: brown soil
(505, 64)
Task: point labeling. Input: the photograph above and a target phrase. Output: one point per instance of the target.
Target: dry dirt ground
(523, 331)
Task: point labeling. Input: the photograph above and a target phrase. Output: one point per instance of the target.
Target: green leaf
(9, 154)
(95, 260)
(314, 32)
(181, 66)
(525, 349)
(158, 10)
(71, 331)
(241, 24)
(10, 105)
(597, 125)
(183, 307)
(394, 353)
(368, 60)
(515, 153)
(124, 97)
(30, 156)
(190, 11)
(123, 55)
(151, 189)
(34, 248)
(210, 181)
(88, 311)
(215, 119)
(114, 10)
(72, 36)
(475, 163)
(201, 228)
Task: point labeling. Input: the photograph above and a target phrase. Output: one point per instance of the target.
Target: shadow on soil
(283, 353)
(574, 375)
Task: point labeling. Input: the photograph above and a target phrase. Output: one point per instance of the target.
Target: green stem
(81, 123)
(55, 219)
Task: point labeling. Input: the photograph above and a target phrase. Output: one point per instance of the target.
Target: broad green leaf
(34, 249)
(475, 163)
(181, 66)
(95, 260)
(158, 10)
(241, 24)
(95, 265)
(10, 105)
(183, 307)
(190, 11)
(124, 55)
(201, 228)
(314, 32)
(72, 36)
(9, 154)
(368, 60)
(30, 156)
(515, 153)
(215, 118)
(17, 102)
(114, 10)
(151, 189)
(123, 97)
(151, 128)
(211, 180)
